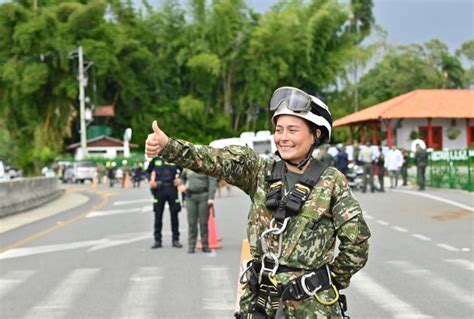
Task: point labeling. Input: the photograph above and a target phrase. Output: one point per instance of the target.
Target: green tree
(467, 51)
(407, 68)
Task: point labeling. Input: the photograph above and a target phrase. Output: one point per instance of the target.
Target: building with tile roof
(444, 119)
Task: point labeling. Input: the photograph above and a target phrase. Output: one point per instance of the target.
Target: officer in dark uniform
(163, 182)
(421, 160)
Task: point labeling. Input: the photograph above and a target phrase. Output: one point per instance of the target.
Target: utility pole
(82, 103)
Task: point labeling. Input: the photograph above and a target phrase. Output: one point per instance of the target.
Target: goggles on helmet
(295, 99)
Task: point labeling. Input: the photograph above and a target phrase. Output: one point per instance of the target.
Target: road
(94, 260)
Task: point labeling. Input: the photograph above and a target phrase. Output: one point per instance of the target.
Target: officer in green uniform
(299, 206)
(199, 190)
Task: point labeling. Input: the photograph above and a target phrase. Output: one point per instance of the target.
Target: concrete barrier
(22, 194)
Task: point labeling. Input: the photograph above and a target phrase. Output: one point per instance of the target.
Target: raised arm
(237, 165)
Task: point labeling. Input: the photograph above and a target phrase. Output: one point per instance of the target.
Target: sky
(410, 21)
(417, 21)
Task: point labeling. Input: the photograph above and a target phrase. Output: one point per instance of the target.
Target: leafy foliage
(204, 71)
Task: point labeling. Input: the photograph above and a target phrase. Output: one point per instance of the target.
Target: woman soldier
(299, 206)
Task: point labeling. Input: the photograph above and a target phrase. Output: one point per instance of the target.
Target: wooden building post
(430, 134)
(375, 134)
(468, 133)
(389, 133)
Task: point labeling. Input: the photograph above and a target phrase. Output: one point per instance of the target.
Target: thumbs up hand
(155, 141)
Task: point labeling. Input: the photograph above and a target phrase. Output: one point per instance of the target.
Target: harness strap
(289, 205)
(307, 285)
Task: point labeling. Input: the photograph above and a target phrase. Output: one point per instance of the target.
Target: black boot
(176, 244)
(206, 250)
(157, 244)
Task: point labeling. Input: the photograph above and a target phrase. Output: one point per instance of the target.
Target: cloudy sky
(417, 21)
(408, 21)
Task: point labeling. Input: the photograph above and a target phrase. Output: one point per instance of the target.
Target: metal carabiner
(305, 288)
(244, 279)
(282, 228)
(276, 263)
(330, 302)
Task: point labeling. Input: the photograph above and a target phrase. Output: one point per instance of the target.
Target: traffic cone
(212, 230)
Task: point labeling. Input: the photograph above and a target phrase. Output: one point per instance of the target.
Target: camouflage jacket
(309, 240)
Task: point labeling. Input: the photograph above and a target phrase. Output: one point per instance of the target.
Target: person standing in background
(367, 159)
(137, 175)
(111, 173)
(381, 168)
(325, 157)
(421, 160)
(355, 153)
(393, 162)
(200, 190)
(163, 183)
(404, 168)
(342, 159)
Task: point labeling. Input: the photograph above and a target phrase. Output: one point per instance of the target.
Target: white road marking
(57, 304)
(465, 249)
(469, 265)
(400, 229)
(397, 308)
(443, 286)
(21, 252)
(140, 300)
(100, 213)
(421, 237)
(444, 200)
(147, 209)
(382, 222)
(107, 242)
(219, 293)
(136, 201)
(447, 247)
(13, 279)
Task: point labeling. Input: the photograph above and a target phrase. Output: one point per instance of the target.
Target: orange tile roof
(417, 104)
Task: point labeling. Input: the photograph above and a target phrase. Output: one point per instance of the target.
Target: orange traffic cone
(212, 230)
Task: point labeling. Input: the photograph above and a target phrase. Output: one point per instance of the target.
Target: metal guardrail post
(470, 187)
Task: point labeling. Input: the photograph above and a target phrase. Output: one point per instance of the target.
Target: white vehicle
(79, 172)
(261, 142)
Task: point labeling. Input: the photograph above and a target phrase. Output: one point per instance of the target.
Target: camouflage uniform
(310, 237)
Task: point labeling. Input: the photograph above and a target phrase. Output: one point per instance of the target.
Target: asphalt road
(95, 261)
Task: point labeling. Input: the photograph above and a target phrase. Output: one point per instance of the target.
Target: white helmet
(292, 101)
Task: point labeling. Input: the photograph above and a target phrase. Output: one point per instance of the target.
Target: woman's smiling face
(293, 138)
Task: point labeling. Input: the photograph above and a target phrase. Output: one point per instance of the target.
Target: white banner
(452, 155)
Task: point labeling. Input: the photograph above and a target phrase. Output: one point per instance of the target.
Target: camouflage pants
(308, 308)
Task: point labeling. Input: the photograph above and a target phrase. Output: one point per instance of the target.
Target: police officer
(200, 190)
(299, 207)
(421, 160)
(163, 183)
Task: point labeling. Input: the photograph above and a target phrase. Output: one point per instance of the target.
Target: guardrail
(21, 194)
